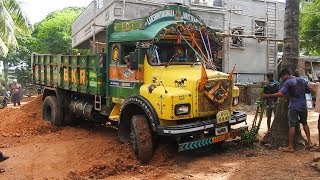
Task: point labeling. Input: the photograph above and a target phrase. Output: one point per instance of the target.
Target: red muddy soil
(39, 150)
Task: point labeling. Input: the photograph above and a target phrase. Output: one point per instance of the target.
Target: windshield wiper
(194, 63)
(174, 56)
(197, 61)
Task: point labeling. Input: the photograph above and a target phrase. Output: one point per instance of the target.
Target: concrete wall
(83, 27)
(280, 20)
(252, 57)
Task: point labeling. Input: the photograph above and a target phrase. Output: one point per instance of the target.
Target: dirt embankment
(96, 152)
(24, 121)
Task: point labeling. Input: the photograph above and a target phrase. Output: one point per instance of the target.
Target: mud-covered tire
(51, 111)
(141, 138)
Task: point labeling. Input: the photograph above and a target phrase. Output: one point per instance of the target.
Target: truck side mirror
(134, 60)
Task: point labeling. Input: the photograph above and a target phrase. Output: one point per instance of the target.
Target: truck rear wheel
(51, 111)
(141, 138)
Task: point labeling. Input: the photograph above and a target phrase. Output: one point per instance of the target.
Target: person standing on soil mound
(295, 88)
(16, 91)
(316, 88)
(270, 87)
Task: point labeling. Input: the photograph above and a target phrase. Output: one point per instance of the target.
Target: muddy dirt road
(39, 150)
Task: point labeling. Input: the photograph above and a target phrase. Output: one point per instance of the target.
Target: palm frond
(3, 48)
(12, 18)
(18, 16)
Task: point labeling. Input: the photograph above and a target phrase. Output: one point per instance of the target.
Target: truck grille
(205, 104)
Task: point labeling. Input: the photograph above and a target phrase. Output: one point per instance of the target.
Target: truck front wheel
(51, 111)
(141, 138)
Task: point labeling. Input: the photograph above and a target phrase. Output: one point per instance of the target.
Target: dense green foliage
(21, 53)
(12, 20)
(13, 25)
(53, 34)
(310, 27)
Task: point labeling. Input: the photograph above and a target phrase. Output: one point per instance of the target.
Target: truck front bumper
(211, 140)
(185, 129)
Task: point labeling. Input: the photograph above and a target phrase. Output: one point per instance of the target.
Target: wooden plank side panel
(94, 85)
(65, 75)
(56, 70)
(35, 69)
(79, 73)
(82, 71)
(75, 73)
(42, 69)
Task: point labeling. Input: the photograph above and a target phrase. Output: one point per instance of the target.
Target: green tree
(53, 34)
(310, 27)
(21, 53)
(12, 19)
(278, 135)
(12, 22)
(17, 56)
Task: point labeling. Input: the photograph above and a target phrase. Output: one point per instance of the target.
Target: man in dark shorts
(295, 88)
(270, 87)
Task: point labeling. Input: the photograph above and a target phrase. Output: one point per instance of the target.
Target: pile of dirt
(123, 161)
(27, 120)
(109, 158)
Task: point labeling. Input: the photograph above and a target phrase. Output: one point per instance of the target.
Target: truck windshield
(167, 53)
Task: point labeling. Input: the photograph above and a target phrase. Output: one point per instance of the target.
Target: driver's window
(153, 55)
(126, 50)
(191, 56)
(180, 53)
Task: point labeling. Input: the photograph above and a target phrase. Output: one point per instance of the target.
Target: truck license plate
(224, 137)
(221, 130)
(223, 116)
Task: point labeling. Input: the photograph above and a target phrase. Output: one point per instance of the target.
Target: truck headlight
(182, 109)
(235, 101)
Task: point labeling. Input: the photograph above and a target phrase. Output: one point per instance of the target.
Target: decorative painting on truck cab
(169, 13)
(115, 52)
(128, 25)
(120, 73)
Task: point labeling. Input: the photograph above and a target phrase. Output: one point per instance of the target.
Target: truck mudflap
(211, 140)
(185, 129)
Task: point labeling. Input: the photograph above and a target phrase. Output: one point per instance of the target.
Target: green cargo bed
(83, 74)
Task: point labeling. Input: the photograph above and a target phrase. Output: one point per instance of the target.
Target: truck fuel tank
(82, 108)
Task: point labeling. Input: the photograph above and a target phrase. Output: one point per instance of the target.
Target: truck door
(123, 81)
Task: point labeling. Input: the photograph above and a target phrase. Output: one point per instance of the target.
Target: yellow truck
(157, 78)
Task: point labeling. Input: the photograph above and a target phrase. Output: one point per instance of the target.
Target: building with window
(251, 29)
